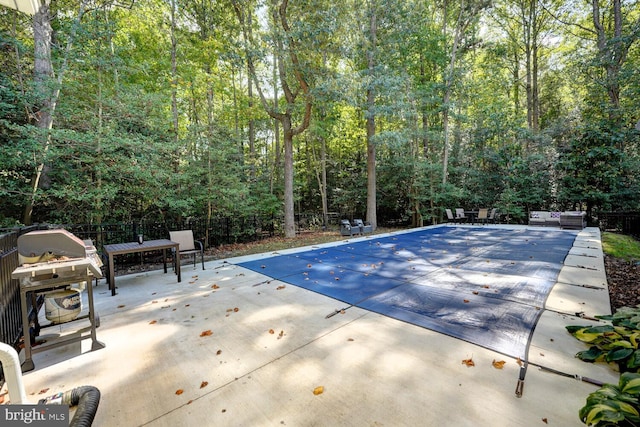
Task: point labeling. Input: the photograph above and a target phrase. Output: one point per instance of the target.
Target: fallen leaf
(465, 301)
(154, 302)
(350, 339)
(219, 352)
(271, 331)
(215, 286)
(44, 390)
(486, 286)
(206, 333)
(121, 306)
(179, 391)
(153, 322)
(544, 420)
(318, 390)
(281, 287)
(281, 334)
(229, 310)
(469, 362)
(475, 292)
(203, 384)
(498, 364)
(236, 309)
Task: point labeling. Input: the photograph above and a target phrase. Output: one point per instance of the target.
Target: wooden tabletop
(132, 247)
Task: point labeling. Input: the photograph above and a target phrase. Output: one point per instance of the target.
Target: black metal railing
(620, 222)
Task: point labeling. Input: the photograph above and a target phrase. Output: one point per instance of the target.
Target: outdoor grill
(53, 260)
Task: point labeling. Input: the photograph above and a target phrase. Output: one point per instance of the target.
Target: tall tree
(615, 33)
(466, 14)
(47, 90)
(295, 89)
(372, 58)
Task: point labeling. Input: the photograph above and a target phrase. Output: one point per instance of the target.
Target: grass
(621, 246)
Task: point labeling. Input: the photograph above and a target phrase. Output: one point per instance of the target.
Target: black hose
(87, 398)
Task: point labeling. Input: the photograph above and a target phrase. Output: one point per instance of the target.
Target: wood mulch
(623, 278)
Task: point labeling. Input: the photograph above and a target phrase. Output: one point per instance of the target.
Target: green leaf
(618, 354)
(630, 383)
(634, 361)
(602, 412)
(591, 334)
(573, 328)
(590, 355)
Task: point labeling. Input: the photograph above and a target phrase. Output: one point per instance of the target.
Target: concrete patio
(230, 347)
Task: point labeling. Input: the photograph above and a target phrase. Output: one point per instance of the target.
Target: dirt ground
(623, 278)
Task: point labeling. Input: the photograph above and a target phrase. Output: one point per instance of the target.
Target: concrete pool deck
(229, 347)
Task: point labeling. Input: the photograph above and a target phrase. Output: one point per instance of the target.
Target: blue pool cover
(480, 284)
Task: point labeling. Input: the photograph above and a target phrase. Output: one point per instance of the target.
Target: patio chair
(483, 215)
(346, 229)
(187, 245)
(492, 216)
(450, 217)
(460, 216)
(363, 228)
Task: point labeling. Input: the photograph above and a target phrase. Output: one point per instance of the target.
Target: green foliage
(617, 342)
(614, 405)
(115, 155)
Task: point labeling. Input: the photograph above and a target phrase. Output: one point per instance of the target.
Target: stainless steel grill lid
(43, 245)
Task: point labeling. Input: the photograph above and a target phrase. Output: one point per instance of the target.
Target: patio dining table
(472, 215)
(135, 247)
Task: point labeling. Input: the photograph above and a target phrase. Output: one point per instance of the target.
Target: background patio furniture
(346, 229)
(363, 228)
(573, 220)
(492, 216)
(187, 245)
(544, 218)
(460, 216)
(483, 215)
(450, 216)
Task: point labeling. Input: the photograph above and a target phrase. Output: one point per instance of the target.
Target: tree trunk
(371, 122)
(612, 52)
(289, 213)
(279, 16)
(45, 104)
(47, 99)
(174, 84)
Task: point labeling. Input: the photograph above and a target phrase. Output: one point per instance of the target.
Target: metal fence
(620, 222)
(9, 290)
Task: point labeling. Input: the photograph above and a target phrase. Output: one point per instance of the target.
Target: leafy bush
(617, 342)
(614, 405)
